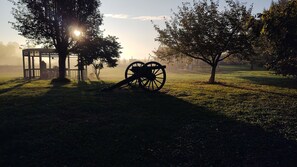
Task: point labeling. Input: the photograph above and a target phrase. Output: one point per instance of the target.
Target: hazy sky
(130, 20)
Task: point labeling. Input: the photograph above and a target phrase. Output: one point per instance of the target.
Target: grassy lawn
(248, 119)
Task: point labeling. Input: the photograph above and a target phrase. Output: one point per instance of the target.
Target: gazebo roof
(41, 52)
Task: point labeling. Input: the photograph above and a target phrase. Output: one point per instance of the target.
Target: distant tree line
(201, 31)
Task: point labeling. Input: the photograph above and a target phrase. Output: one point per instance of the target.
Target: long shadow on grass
(257, 90)
(82, 127)
(11, 81)
(15, 83)
(273, 81)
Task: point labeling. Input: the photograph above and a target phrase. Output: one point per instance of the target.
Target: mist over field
(10, 54)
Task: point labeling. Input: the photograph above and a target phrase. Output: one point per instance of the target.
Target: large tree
(257, 47)
(280, 28)
(53, 22)
(202, 31)
(104, 50)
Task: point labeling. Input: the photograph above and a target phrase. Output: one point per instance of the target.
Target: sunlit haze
(129, 20)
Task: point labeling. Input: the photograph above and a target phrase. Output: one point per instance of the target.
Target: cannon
(149, 76)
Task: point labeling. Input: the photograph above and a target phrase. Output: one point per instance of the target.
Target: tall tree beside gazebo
(62, 24)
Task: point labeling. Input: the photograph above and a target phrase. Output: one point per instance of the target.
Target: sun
(77, 33)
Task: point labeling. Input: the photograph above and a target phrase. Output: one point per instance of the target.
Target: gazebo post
(69, 72)
(29, 63)
(40, 60)
(50, 61)
(78, 68)
(24, 68)
(50, 64)
(86, 72)
(33, 64)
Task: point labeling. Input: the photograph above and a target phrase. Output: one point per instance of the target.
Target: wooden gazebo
(43, 63)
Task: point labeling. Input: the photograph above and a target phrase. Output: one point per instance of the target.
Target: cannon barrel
(121, 83)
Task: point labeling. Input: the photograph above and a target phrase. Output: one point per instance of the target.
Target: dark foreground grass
(245, 120)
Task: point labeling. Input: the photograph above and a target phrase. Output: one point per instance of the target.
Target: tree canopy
(53, 22)
(280, 29)
(201, 31)
(257, 47)
(165, 53)
(106, 50)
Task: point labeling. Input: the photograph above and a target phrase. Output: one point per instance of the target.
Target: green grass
(248, 119)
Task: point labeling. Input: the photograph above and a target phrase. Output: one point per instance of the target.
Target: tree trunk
(97, 73)
(252, 65)
(62, 65)
(213, 74)
(82, 74)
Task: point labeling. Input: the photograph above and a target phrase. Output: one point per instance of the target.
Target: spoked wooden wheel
(129, 73)
(155, 78)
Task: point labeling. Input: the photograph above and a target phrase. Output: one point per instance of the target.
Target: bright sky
(129, 20)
